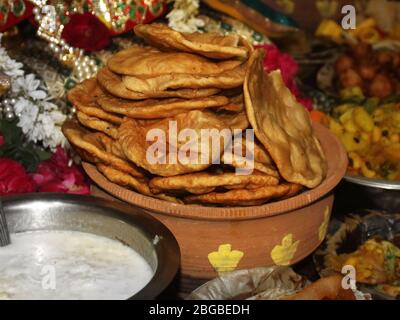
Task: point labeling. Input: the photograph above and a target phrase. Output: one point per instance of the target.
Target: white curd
(70, 265)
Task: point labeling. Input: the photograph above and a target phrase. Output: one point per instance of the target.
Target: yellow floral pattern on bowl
(323, 228)
(225, 259)
(283, 253)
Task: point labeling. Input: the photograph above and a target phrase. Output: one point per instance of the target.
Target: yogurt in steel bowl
(70, 247)
(67, 265)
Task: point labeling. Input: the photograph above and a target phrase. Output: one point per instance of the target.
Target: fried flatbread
(114, 85)
(119, 177)
(260, 157)
(133, 133)
(138, 184)
(96, 147)
(282, 125)
(139, 61)
(235, 104)
(234, 120)
(206, 44)
(83, 96)
(244, 197)
(160, 83)
(201, 181)
(98, 124)
(158, 108)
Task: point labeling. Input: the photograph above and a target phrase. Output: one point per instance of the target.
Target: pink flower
(13, 178)
(55, 175)
(276, 60)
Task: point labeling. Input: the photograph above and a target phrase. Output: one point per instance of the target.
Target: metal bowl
(374, 183)
(117, 221)
(374, 193)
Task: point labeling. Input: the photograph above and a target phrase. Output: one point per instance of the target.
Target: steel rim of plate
(375, 183)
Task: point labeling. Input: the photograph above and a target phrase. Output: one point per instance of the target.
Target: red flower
(2, 140)
(13, 178)
(276, 60)
(87, 32)
(55, 175)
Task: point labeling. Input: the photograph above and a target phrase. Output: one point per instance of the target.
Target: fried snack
(329, 288)
(97, 124)
(282, 125)
(96, 147)
(234, 120)
(119, 177)
(133, 133)
(138, 184)
(209, 181)
(239, 163)
(205, 44)
(149, 62)
(261, 160)
(160, 83)
(158, 108)
(83, 96)
(245, 197)
(112, 83)
(235, 104)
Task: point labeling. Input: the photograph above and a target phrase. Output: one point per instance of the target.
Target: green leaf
(394, 98)
(371, 104)
(11, 132)
(26, 153)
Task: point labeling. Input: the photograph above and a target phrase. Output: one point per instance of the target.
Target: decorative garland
(39, 118)
(183, 16)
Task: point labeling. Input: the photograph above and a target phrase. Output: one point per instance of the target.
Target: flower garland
(39, 118)
(183, 16)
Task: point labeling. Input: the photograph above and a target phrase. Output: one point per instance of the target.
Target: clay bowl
(214, 239)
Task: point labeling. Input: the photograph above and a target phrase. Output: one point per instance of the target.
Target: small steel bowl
(115, 220)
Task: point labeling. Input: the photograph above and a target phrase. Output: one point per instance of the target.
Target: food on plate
(175, 121)
(377, 262)
(274, 283)
(282, 125)
(370, 134)
(328, 288)
(374, 72)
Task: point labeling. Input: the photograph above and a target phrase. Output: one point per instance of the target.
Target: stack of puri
(197, 81)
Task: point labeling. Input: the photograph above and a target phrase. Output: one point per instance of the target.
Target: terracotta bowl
(218, 239)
